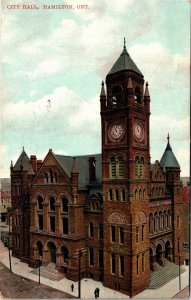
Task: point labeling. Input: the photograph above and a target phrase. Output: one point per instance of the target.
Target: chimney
(39, 164)
(33, 162)
(92, 169)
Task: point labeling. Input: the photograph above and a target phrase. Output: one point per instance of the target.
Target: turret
(147, 97)
(102, 97)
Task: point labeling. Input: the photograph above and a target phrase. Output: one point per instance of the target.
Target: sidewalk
(88, 285)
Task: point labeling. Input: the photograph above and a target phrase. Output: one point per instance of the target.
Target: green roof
(168, 159)
(83, 166)
(124, 62)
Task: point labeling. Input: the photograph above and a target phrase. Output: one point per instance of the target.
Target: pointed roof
(23, 160)
(168, 159)
(124, 62)
(67, 162)
(102, 90)
(146, 90)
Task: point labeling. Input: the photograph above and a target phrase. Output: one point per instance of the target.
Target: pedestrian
(97, 289)
(72, 287)
(95, 293)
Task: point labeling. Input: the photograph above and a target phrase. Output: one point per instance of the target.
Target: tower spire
(102, 89)
(124, 46)
(147, 90)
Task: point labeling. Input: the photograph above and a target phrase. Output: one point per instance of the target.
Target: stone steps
(164, 274)
(49, 272)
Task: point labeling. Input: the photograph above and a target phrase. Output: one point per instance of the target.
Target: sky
(53, 62)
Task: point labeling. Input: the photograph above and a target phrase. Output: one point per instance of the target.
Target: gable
(51, 171)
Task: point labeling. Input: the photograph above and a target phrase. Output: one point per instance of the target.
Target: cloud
(62, 108)
(163, 69)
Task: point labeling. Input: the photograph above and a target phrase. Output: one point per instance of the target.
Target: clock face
(139, 132)
(115, 132)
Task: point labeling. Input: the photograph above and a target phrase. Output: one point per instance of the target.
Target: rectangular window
(117, 195)
(52, 224)
(91, 256)
(143, 227)
(101, 231)
(143, 262)
(110, 194)
(137, 234)
(40, 222)
(121, 167)
(137, 264)
(113, 263)
(113, 235)
(100, 258)
(121, 235)
(122, 265)
(113, 169)
(123, 195)
(91, 230)
(65, 225)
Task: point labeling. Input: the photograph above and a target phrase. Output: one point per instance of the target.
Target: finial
(146, 90)
(168, 138)
(23, 149)
(124, 46)
(102, 90)
(11, 163)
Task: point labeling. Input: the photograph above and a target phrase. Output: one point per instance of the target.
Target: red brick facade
(123, 214)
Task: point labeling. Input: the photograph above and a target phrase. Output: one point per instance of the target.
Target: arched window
(65, 254)
(52, 203)
(164, 219)
(160, 220)
(140, 194)
(117, 195)
(151, 223)
(51, 176)
(40, 202)
(40, 249)
(91, 230)
(46, 177)
(170, 218)
(120, 166)
(155, 222)
(64, 204)
(136, 195)
(137, 95)
(141, 166)
(116, 95)
(112, 168)
(136, 166)
(144, 194)
(55, 177)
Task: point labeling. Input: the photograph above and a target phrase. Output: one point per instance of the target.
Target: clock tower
(125, 112)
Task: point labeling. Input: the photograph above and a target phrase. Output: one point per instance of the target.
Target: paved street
(182, 294)
(14, 286)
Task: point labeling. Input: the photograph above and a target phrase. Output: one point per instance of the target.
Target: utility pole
(10, 267)
(79, 274)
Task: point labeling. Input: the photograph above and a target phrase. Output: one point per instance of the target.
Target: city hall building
(118, 212)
